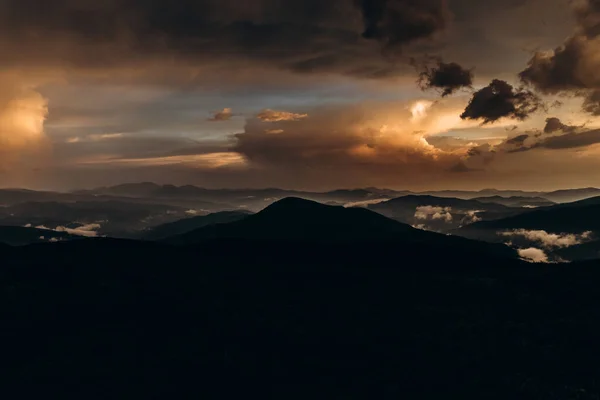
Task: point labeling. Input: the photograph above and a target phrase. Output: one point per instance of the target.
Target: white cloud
(89, 230)
(434, 213)
(191, 212)
(533, 255)
(550, 240)
(364, 202)
(471, 217)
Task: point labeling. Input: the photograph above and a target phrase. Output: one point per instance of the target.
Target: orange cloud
(276, 116)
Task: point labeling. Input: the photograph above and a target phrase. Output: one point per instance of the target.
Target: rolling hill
(20, 236)
(189, 224)
(299, 220)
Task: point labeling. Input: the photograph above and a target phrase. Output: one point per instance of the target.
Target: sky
(300, 94)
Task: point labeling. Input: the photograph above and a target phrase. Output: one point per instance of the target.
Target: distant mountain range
(441, 213)
(147, 189)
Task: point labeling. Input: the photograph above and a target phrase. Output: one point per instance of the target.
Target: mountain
(440, 213)
(470, 194)
(189, 224)
(562, 218)
(516, 201)
(570, 195)
(299, 220)
(565, 232)
(376, 319)
(580, 252)
(250, 199)
(20, 236)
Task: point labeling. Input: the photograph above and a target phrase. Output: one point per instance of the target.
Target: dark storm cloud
(501, 100)
(446, 77)
(554, 124)
(574, 66)
(571, 140)
(558, 136)
(342, 36)
(400, 22)
(591, 104)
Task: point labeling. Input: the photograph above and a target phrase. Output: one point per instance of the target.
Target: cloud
(23, 111)
(574, 65)
(501, 100)
(309, 36)
(446, 77)
(370, 142)
(554, 124)
(365, 203)
(96, 137)
(269, 115)
(87, 230)
(591, 103)
(434, 213)
(223, 115)
(555, 136)
(517, 140)
(396, 23)
(533, 255)
(471, 217)
(550, 240)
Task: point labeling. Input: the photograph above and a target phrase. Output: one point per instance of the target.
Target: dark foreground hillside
(101, 318)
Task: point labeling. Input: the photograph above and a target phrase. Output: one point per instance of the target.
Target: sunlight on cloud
(22, 114)
(210, 160)
(419, 110)
(550, 240)
(533, 255)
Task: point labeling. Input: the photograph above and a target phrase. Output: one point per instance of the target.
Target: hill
(375, 319)
(440, 213)
(516, 201)
(189, 224)
(566, 218)
(20, 236)
(299, 220)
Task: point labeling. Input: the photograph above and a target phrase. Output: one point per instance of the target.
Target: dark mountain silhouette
(422, 200)
(570, 195)
(468, 194)
(580, 252)
(567, 218)
(299, 220)
(19, 236)
(189, 224)
(303, 319)
(516, 201)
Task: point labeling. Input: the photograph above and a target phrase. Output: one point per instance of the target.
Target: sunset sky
(302, 94)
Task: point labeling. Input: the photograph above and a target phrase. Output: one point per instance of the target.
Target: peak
(296, 203)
